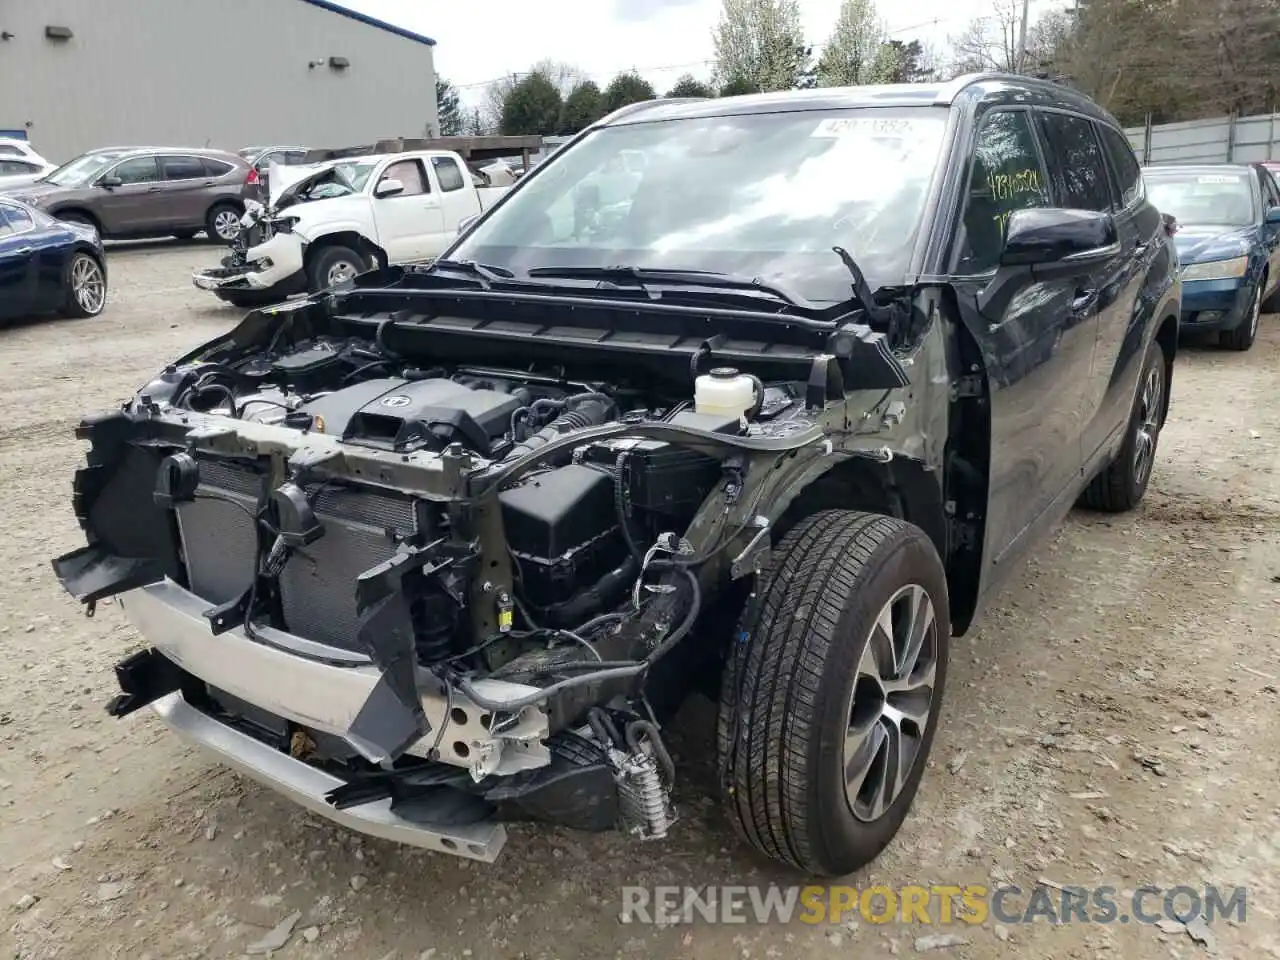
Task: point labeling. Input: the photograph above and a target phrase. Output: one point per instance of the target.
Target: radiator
(218, 530)
(318, 584)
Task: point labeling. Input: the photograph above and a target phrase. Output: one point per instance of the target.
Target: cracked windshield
(766, 196)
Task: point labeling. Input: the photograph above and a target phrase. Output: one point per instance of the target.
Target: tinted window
(1270, 190)
(10, 150)
(296, 156)
(182, 168)
(137, 170)
(1127, 169)
(1007, 175)
(19, 220)
(449, 174)
(16, 167)
(409, 173)
(1079, 173)
(215, 168)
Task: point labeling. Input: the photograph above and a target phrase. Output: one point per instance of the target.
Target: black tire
(73, 305)
(785, 701)
(1243, 336)
(1122, 483)
(326, 259)
(1272, 303)
(219, 211)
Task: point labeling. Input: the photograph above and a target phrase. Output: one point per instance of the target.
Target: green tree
(625, 88)
(738, 86)
(853, 52)
(582, 107)
(912, 63)
(449, 109)
(761, 43)
(689, 86)
(532, 106)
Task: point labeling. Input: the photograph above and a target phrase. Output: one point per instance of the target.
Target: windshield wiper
(862, 290)
(640, 276)
(483, 272)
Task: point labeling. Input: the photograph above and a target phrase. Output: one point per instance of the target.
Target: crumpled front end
(263, 258)
(424, 596)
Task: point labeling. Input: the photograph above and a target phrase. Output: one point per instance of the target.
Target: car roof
(185, 151)
(986, 87)
(1199, 167)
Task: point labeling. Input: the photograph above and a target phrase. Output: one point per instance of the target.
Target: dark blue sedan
(1228, 244)
(48, 265)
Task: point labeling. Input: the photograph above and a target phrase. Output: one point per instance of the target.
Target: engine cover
(411, 415)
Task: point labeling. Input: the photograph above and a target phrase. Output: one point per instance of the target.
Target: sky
(662, 39)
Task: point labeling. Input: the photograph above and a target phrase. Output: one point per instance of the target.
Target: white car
(325, 223)
(20, 164)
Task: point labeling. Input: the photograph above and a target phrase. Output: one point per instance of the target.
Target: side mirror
(111, 182)
(466, 222)
(388, 188)
(1273, 216)
(1048, 244)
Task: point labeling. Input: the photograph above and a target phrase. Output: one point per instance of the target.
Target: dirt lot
(1113, 721)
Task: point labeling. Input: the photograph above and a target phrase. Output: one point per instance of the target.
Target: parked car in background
(133, 192)
(1228, 244)
(263, 158)
(11, 147)
(48, 265)
(339, 218)
(16, 171)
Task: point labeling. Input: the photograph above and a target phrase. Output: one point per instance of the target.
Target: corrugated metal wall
(221, 73)
(1220, 140)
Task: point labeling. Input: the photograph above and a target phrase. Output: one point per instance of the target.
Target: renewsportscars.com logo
(938, 905)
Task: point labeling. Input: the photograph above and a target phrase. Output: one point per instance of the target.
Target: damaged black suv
(759, 395)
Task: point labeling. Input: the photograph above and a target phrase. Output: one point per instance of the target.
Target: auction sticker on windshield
(1218, 178)
(864, 126)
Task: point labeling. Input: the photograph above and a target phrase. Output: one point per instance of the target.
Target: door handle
(1084, 301)
(24, 251)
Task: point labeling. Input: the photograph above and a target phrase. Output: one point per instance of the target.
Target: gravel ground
(1113, 721)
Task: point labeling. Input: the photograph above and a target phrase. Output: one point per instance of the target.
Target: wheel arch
(60, 212)
(345, 238)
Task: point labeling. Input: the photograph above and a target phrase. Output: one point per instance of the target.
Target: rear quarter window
(1127, 169)
(216, 168)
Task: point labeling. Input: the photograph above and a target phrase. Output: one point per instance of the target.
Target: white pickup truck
(325, 223)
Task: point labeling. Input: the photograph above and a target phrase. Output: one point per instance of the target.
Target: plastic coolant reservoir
(724, 391)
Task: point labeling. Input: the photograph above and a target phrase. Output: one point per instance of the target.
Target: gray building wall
(218, 73)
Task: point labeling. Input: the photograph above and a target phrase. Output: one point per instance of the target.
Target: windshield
(1196, 197)
(342, 180)
(765, 195)
(78, 172)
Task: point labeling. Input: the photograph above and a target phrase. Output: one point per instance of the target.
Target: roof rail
(642, 105)
(948, 92)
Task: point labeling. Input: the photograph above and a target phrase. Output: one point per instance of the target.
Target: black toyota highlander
(771, 415)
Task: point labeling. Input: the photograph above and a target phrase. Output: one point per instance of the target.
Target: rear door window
(1076, 166)
(1006, 175)
(13, 168)
(182, 168)
(450, 176)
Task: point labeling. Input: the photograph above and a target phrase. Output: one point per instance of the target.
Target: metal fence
(1220, 140)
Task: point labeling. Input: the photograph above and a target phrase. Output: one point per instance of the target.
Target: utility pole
(1022, 35)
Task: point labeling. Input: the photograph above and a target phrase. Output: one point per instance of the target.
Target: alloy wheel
(892, 703)
(1150, 411)
(226, 224)
(88, 285)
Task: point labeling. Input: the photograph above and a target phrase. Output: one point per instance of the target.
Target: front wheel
(1123, 483)
(86, 287)
(334, 266)
(830, 700)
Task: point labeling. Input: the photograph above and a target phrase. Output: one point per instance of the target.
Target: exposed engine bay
(487, 571)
